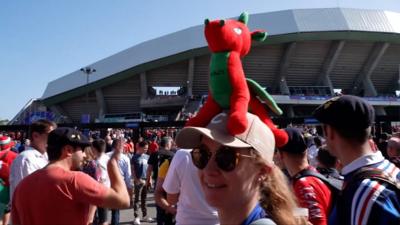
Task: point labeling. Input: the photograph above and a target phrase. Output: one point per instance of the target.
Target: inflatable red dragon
(229, 41)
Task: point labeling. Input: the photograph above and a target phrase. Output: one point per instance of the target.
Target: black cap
(346, 111)
(296, 143)
(67, 136)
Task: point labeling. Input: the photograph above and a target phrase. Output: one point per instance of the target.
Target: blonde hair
(277, 199)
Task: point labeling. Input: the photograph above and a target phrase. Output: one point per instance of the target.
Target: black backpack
(374, 174)
(164, 155)
(334, 184)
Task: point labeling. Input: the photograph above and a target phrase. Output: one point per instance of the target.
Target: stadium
(309, 56)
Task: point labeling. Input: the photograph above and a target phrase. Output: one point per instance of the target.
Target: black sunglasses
(226, 157)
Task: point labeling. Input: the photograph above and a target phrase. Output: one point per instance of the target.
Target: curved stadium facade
(308, 55)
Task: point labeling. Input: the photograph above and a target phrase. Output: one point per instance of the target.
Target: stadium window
(162, 90)
(337, 91)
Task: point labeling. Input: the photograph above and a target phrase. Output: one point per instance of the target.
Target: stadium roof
(282, 26)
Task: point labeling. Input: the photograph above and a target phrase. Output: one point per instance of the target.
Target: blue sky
(41, 41)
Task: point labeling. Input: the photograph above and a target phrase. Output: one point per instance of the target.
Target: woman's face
(234, 188)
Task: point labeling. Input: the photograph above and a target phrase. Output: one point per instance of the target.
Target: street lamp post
(87, 71)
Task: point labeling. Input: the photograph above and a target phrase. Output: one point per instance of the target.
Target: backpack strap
(374, 174)
(361, 174)
(311, 173)
(164, 155)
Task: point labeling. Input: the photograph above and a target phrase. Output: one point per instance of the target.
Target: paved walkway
(126, 215)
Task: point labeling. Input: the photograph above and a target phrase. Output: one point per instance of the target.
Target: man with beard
(59, 193)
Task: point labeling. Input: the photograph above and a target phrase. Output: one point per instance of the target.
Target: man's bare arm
(161, 200)
(172, 198)
(117, 196)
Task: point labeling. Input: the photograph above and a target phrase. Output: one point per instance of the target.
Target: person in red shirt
(153, 146)
(128, 146)
(4, 171)
(4, 190)
(310, 191)
(6, 157)
(59, 193)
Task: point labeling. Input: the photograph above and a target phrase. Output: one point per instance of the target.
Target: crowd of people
(334, 174)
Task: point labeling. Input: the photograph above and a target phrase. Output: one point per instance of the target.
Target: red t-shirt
(5, 173)
(313, 194)
(128, 147)
(7, 156)
(56, 196)
(153, 147)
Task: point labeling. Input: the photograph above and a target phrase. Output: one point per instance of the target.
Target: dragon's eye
(237, 30)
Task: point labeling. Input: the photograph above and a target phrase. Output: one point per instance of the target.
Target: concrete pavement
(126, 215)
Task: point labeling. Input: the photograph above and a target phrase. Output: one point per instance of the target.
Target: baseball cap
(67, 136)
(257, 135)
(346, 111)
(5, 142)
(296, 143)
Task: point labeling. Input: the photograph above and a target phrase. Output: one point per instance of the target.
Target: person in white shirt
(125, 169)
(99, 147)
(183, 188)
(32, 159)
(35, 157)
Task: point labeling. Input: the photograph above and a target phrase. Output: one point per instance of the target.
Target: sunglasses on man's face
(226, 157)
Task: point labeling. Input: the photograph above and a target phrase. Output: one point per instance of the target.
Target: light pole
(87, 70)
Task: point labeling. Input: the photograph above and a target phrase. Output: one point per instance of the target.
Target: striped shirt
(369, 201)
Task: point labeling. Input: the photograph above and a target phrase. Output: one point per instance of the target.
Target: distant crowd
(335, 173)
